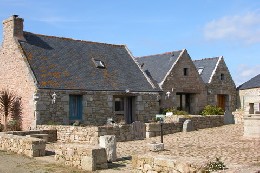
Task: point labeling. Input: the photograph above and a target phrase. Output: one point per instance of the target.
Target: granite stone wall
(177, 82)
(32, 147)
(51, 134)
(97, 106)
(175, 124)
(226, 87)
(82, 156)
(247, 97)
(91, 134)
(160, 163)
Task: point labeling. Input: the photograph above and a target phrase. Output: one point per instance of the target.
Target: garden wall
(91, 134)
(82, 156)
(161, 163)
(174, 124)
(32, 147)
(52, 134)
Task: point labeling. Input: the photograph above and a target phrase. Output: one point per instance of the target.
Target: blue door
(75, 107)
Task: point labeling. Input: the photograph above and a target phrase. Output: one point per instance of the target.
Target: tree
(10, 105)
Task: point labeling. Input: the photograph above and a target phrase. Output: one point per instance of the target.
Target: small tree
(16, 112)
(10, 105)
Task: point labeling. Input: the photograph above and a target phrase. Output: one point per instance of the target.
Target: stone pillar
(187, 126)
(109, 143)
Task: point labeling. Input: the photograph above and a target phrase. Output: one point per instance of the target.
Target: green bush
(212, 110)
(14, 125)
(214, 166)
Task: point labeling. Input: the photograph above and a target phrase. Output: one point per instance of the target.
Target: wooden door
(221, 101)
(75, 107)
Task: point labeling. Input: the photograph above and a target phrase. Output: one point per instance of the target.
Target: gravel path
(226, 142)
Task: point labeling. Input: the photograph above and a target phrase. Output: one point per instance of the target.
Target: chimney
(13, 28)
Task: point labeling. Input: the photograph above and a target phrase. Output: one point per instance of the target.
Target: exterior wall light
(168, 93)
(53, 96)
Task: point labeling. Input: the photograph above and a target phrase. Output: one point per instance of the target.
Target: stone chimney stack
(13, 28)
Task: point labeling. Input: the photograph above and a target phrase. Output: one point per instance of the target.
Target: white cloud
(245, 72)
(244, 28)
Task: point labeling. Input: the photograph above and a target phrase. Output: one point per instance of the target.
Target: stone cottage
(249, 96)
(175, 73)
(221, 89)
(61, 80)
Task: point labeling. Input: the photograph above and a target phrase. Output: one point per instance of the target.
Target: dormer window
(99, 63)
(222, 76)
(185, 71)
(200, 70)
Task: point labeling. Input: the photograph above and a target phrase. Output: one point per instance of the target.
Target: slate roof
(208, 65)
(252, 83)
(62, 63)
(157, 66)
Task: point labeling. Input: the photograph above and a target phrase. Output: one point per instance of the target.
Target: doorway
(221, 101)
(124, 109)
(75, 107)
(183, 101)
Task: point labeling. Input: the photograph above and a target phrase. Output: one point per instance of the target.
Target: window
(119, 104)
(200, 70)
(185, 71)
(222, 76)
(99, 63)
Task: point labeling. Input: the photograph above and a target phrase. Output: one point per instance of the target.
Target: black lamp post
(161, 123)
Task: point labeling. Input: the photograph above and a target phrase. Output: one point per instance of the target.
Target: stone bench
(82, 156)
(28, 146)
(40, 136)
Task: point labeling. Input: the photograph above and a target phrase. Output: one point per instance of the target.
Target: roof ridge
(66, 38)
(165, 53)
(207, 58)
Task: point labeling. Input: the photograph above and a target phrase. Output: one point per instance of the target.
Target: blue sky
(206, 28)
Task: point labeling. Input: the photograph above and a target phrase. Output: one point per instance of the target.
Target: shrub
(13, 125)
(10, 106)
(214, 166)
(212, 110)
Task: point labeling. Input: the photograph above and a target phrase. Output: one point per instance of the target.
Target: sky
(206, 28)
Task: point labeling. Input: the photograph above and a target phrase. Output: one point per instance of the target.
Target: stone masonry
(17, 76)
(98, 106)
(82, 156)
(247, 97)
(218, 86)
(177, 82)
(32, 147)
(37, 103)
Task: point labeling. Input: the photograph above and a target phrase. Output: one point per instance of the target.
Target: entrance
(123, 107)
(221, 100)
(183, 101)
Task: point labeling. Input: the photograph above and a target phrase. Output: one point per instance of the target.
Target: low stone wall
(91, 134)
(154, 129)
(82, 156)
(28, 146)
(87, 134)
(252, 126)
(52, 134)
(239, 117)
(159, 163)
(174, 124)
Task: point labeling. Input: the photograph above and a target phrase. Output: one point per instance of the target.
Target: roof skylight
(200, 70)
(99, 63)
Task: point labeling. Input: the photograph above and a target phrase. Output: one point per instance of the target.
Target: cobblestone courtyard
(226, 142)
